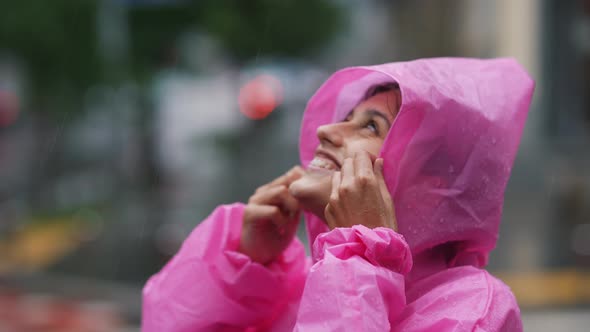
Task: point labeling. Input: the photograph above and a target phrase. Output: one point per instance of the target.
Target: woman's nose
(331, 134)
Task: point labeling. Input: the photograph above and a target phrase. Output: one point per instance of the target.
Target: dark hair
(380, 88)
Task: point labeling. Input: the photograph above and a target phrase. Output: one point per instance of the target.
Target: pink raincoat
(448, 157)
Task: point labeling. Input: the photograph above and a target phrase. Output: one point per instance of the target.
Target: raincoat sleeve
(357, 284)
(357, 281)
(209, 286)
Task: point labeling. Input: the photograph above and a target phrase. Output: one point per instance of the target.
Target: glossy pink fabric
(447, 157)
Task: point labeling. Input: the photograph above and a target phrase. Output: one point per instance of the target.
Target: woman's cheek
(312, 190)
(371, 145)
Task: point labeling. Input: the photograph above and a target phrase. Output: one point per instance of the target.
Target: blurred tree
(66, 47)
(56, 43)
(246, 29)
(283, 28)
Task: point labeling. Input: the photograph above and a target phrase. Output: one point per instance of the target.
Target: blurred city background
(123, 123)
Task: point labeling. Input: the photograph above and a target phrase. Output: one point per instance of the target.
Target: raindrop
(494, 140)
(451, 169)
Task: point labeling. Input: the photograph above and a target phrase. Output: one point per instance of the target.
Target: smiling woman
(404, 171)
(360, 134)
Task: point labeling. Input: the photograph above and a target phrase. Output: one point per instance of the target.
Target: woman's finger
(277, 195)
(363, 167)
(293, 174)
(261, 212)
(267, 195)
(289, 204)
(329, 210)
(336, 178)
(347, 181)
(257, 212)
(378, 170)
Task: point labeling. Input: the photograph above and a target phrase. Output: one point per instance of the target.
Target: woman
(406, 166)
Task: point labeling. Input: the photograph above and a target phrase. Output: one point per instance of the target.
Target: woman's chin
(312, 191)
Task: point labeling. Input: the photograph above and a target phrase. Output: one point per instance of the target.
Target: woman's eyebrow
(371, 113)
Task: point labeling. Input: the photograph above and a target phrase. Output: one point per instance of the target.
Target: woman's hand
(270, 219)
(360, 196)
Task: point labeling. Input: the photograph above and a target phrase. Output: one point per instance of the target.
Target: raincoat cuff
(291, 257)
(379, 246)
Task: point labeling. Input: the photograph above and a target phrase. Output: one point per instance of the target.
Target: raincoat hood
(450, 151)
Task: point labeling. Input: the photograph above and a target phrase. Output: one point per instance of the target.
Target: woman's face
(364, 129)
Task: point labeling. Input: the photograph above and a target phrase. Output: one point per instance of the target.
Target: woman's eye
(372, 125)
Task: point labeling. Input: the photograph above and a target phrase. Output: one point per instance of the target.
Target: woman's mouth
(322, 163)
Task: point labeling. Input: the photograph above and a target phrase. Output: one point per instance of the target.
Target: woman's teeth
(323, 163)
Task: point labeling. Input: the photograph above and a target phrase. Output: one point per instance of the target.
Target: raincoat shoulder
(209, 286)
